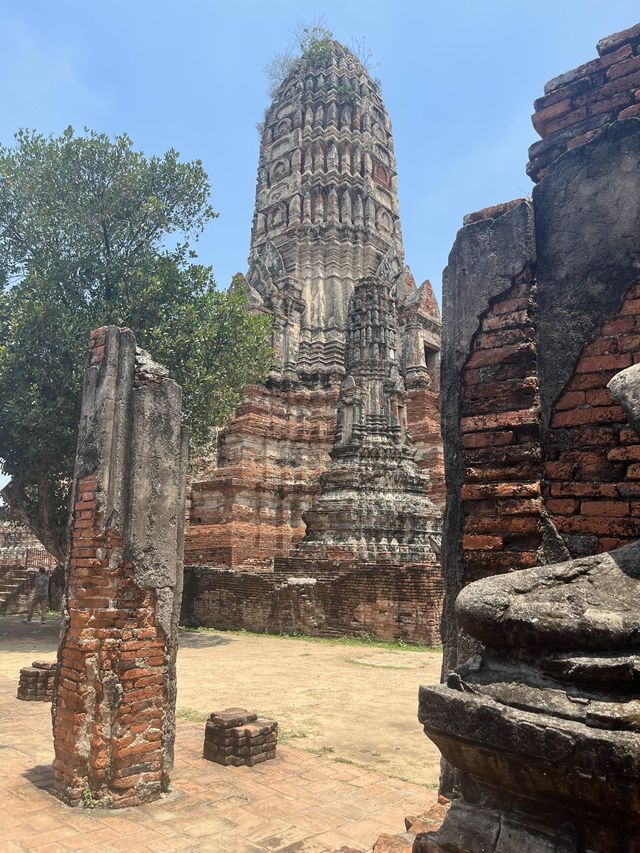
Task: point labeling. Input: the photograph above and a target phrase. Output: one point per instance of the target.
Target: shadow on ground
(41, 776)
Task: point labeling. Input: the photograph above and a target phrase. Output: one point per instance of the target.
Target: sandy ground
(354, 703)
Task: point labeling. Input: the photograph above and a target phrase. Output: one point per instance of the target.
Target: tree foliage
(95, 233)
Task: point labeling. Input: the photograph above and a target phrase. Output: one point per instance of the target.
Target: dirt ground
(354, 703)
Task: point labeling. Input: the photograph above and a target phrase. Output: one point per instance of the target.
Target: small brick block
(234, 737)
(231, 718)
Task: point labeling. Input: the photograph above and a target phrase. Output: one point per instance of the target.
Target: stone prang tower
(326, 209)
(326, 216)
(373, 504)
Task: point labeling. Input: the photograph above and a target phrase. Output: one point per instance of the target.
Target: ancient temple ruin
(321, 513)
(326, 215)
(373, 500)
(538, 716)
(114, 700)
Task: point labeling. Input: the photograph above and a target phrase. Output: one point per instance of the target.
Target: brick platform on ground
(36, 681)
(298, 802)
(236, 738)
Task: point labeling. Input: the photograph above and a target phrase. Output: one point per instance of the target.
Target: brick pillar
(114, 705)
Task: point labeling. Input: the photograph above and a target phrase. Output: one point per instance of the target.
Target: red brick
(629, 343)
(481, 543)
(628, 453)
(499, 490)
(482, 423)
(624, 68)
(570, 400)
(586, 381)
(506, 525)
(487, 439)
(540, 118)
(562, 507)
(605, 508)
(631, 306)
(599, 397)
(591, 364)
(585, 490)
(618, 326)
(630, 112)
(588, 415)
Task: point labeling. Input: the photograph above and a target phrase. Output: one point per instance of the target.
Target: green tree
(94, 233)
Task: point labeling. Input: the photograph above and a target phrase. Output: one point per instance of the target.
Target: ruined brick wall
(541, 309)
(592, 456)
(578, 103)
(388, 602)
(271, 456)
(114, 708)
(500, 429)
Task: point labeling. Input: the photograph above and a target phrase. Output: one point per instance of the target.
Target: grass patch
(192, 715)
(286, 737)
(364, 640)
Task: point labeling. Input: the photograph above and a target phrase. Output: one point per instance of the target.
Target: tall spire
(326, 210)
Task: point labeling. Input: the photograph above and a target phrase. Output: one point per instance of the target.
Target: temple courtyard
(352, 760)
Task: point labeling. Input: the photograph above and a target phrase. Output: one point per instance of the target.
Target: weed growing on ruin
(88, 800)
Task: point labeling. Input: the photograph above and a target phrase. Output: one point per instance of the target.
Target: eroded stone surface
(114, 704)
(538, 716)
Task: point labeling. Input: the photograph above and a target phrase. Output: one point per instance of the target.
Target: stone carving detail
(373, 501)
(114, 703)
(326, 215)
(544, 724)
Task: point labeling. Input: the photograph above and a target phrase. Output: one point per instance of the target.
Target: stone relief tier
(543, 724)
(326, 215)
(114, 702)
(373, 500)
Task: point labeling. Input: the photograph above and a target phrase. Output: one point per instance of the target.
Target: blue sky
(458, 79)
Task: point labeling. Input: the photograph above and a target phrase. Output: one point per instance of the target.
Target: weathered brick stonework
(578, 103)
(249, 509)
(326, 216)
(36, 682)
(592, 456)
(236, 738)
(114, 708)
(500, 429)
(389, 602)
(537, 715)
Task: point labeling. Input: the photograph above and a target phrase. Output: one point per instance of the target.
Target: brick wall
(578, 103)
(500, 429)
(592, 457)
(388, 602)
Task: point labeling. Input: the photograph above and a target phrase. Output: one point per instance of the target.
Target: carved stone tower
(373, 503)
(326, 208)
(326, 215)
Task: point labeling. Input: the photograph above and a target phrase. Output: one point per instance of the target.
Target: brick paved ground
(299, 803)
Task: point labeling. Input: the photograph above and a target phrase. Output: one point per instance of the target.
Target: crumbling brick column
(114, 704)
